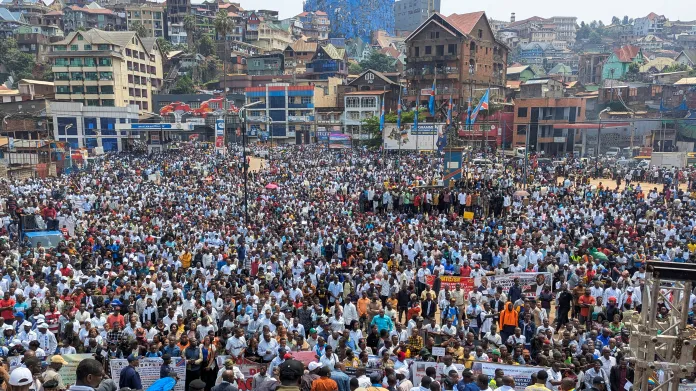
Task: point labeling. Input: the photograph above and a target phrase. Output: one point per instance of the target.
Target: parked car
(613, 152)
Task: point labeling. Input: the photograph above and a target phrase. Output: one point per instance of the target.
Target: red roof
(102, 11)
(465, 22)
(224, 6)
(321, 13)
(627, 53)
(303, 14)
(390, 51)
(54, 13)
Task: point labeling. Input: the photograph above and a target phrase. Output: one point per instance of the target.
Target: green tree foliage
(19, 65)
(206, 47)
(354, 69)
(615, 20)
(190, 28)
(378, 62)
(625, 20)
(676, 68)
(184, 85)
(164, 45)
(140, 29)
(595, 37)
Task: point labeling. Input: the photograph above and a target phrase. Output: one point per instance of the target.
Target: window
(522, 112)
(92, 102)
(62, 62)
(90, 75)
(368, 102)
(76, 76)
(428, 50)
(80, 37)
(62, 89)
(106, 76)
(452, 48)
(440, 50)
(92, 89)
(352, 102)
(107, 89)
(522, 129)
(104, 62)
(306, 100)
(78, 90)
(59, 48)
(480, 33)
(90, 62)
(73, 48)
(434, 34)
(88, 47)
(103, 47)
(62, 76)
(75, 62)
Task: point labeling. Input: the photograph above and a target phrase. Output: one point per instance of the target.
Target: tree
(141, 30)
(625, 20)
(190, 28)
(600, 24)
(206, 47)
(19, 65)
(223, 26)
(184, 85)
(354, 69)
(593, 24)
(164, 45)
(615, 20)
(595, 37)
(378, 62)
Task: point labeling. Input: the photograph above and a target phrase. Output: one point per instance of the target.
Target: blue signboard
(151, 126)
(426, 129)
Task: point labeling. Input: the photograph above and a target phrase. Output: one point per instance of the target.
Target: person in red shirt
(7, 308)
(116, 317)
(465, 271)
(586, 303)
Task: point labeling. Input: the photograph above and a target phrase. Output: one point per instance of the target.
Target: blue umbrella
(116, 302)
(163, 384)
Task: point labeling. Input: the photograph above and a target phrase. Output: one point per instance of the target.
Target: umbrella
(521, 193)
(116, 302)
(163, 384)
(271, 186)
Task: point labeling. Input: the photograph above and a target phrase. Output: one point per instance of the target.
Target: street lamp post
(245, 168)
(599, 135)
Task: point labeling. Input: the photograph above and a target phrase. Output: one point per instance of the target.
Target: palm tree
(223, 25)
(190, 27)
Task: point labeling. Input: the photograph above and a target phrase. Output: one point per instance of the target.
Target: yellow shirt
(185, 259)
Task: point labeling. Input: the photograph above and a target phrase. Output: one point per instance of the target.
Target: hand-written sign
(149, 370)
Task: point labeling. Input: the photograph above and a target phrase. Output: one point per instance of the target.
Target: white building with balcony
(359, 106)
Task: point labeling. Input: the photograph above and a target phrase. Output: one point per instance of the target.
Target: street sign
(426, 91)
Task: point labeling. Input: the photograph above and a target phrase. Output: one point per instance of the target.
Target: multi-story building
(328, 61)
(9, 22)
(53, 18)
(355, 18)
(619, 62)
(298, 55)
(176, 11)
(565, 27)
(32, 11)
(266, 64)
(272, 37)
(285, 114)
(650, 24)
(151, 16)
(111, 69)
(550, 121)
(36, 40)
(459, 52)
(409, 14)
(83, 126)
(315, 25)
(251, 32)
(359, 106)
(650, 42)
(85, 18)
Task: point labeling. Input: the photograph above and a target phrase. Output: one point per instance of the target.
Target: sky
(585, 10)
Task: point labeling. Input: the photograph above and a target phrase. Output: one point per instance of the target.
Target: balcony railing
(445, 57)
(298, 118)
(256, 118)
(426, 70)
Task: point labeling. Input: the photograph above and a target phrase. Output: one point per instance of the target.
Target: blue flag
(482, 105)
(415, 120)
(433, 92)
(449, 111)
(381, 117)
(398, 115)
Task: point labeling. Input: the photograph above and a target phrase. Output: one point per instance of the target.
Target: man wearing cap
(129, 376)
(47, 340)
(290, 373)
(229, 366)
(27, 335)
(540, 385)
(196, 385)
(52, 372)
(598, 384)
(21, 379)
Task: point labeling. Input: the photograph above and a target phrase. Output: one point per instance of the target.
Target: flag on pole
(482, 105)
(449, 111)
(468, 114)
(398, 115)
(433, 91)
(381, 117)
(415, 120)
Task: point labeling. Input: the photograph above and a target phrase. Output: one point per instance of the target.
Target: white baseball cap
(21, 377)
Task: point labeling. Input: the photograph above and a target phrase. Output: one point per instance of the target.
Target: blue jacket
(341, 379)
(130, 378)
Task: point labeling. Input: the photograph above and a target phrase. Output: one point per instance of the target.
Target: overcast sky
(586, 10)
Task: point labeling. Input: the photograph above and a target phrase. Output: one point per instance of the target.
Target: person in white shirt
(268, 347)
(235, 346)
(47, 341)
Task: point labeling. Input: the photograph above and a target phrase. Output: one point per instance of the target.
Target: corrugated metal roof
(686, 81)
(516, 70)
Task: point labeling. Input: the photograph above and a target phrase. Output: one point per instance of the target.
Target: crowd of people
(341, 253)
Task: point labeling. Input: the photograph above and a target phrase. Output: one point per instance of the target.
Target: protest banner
(304, 357)
(248, 369)
(531, 283)
(67, 371)
(149, 370)
(521, 373)
(418, 370)
(371, 367)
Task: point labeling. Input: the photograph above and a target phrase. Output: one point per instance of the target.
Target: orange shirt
(589, 300)
(362, 306)
(324, 384)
